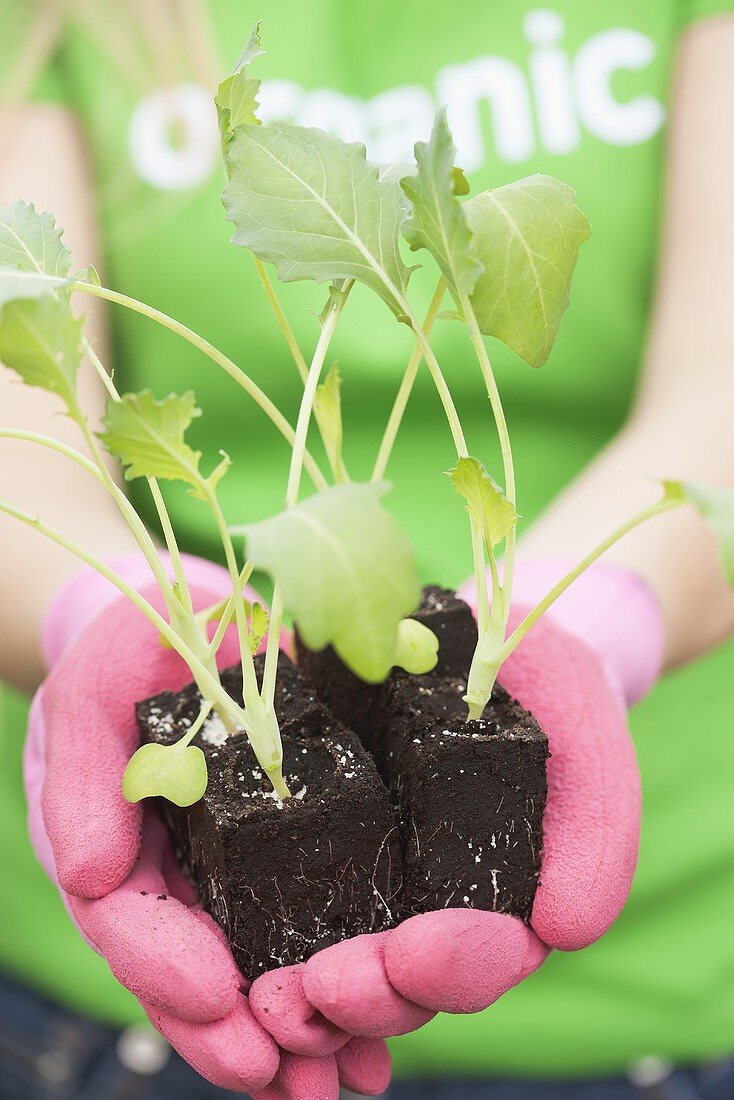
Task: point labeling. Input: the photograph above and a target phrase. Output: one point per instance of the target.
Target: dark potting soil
(283, 879)
(454, 817)
(469, 796)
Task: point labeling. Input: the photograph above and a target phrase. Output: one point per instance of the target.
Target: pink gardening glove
(575, 678)
(113, 861)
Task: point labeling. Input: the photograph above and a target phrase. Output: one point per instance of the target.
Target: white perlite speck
(214, 731)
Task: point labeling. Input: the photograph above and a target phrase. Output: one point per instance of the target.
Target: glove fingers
(592, 818)
(233, 1053)
(279, 1003)
(91, 733)
(348, 984)
(303, 1079)
(364, 1066)
(156, 947)
(460, 960)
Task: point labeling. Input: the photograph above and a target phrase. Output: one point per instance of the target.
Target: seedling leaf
(314, 207)
(716, 505)
(236, 98)
(328, 409)
(417, 649)
(527, 236)
(148, 437)
(485, 502)
(31, 243)
(40, 341)
(437, 221)
(175, 772)
(259, 623)
(15, 284)
(346, 572)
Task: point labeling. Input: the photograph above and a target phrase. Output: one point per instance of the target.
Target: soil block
(358, 704)
(283, 879)
(469, 797)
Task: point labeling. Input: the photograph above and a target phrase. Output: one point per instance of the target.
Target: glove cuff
(609, 609)
(612, 610)
(86, 594)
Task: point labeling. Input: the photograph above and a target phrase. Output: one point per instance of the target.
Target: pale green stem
(251, 388)
(249, 678)
(188, 737)
(483, 615)
(272, 647)
(504, 438)
(406, 388)
(262, 727)
(452, 416)
(309, 393)
(137, 527)
(163, 516)
(171, 545)
(282, 320)
(208, 684)
(498, 658)
(294, 475)
(340, 473)
(225, 610)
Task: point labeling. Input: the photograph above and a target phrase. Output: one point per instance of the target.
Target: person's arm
(44, 161)
(681, 422)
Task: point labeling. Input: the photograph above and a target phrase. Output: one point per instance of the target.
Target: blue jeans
(49, 1053)
(714, 1082)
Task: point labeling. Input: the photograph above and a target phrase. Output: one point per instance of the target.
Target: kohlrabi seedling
(315, 208)
(341, 565)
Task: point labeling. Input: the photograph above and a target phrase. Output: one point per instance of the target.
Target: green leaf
(40, 341)
(716, 505)
(346, 572)
(328, 411)
(485, 502)
(527, 236)
(259, 623)
(236, 97)
(30, 242)
(315, 208)
(175, 772)
(16, 284)
(417, 649)
(148, 438)
(437, 221)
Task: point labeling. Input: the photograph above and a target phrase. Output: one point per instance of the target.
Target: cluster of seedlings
(386, 772)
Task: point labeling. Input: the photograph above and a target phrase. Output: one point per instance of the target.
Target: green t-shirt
(579, 90)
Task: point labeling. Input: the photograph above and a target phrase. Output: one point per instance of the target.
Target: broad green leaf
(175, 772)
(16, 284)
(437, 220)
(30, 242)
(716, 505)
(346, 572)
(328, 410)
(148, 437)
(527, 236)
(417, 649)
(485, 502)
(40, 341)
(314, 207)
(236, 98)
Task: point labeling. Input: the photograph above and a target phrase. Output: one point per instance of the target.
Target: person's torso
(575, 89)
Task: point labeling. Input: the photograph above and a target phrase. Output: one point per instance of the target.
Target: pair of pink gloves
(300, 1032)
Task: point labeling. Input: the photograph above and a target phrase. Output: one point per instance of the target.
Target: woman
(637, 385)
